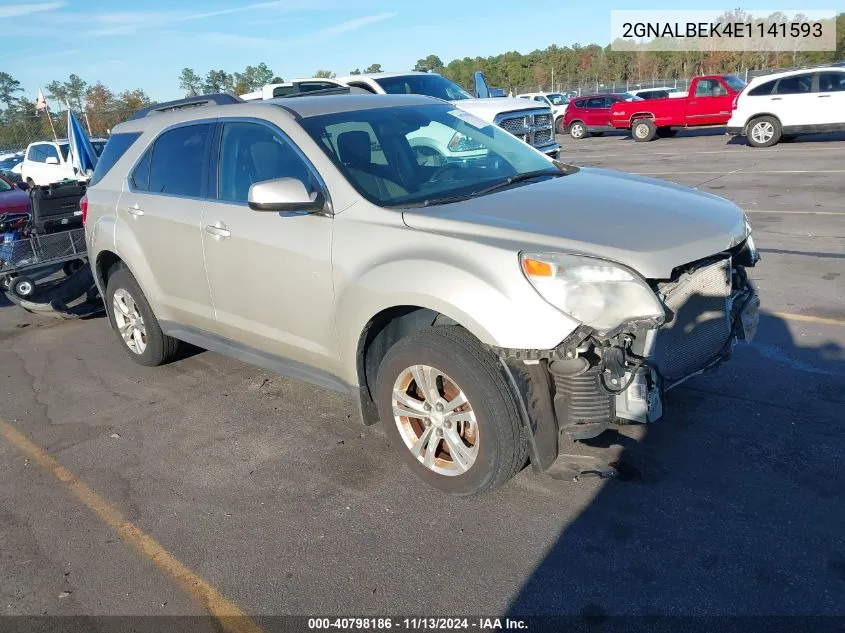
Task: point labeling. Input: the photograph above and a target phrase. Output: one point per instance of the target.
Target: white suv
(804, 101)
(50, 161)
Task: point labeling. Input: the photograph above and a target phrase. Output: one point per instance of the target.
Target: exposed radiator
(697, 324)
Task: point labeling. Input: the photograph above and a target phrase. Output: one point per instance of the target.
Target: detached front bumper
(623, 377)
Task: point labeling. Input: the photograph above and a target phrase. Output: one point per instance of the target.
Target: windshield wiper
(507, 182)
(512, 180)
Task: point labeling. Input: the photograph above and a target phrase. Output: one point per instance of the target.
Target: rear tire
(577, 130)
(145, 343)
(493, 443)
(643, 130)
(72, 266)
(764, 131)
(5, 283)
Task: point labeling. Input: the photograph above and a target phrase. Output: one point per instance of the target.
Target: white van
(47, 162)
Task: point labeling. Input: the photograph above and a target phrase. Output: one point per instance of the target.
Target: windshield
(630, 97)
(408, 155)
(736, 84)
(429, 85)
(65, 149)
(558, 99)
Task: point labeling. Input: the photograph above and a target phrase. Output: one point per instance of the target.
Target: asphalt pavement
(270, 492)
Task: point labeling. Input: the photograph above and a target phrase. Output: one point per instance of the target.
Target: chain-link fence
(18, 131)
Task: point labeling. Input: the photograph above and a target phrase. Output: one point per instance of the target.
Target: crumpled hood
(487, 109)
(649, 225)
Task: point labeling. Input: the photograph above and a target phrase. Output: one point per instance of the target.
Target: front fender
(504, 311)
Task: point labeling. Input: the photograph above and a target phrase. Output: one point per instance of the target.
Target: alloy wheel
(436, 420)
(129, 321)
(762, 132)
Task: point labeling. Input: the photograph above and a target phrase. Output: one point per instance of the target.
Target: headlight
(462, 143)
(593, 291)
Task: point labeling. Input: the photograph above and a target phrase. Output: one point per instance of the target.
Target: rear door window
(179, 162)
(797, 84)
(595, 102)
(831, 82)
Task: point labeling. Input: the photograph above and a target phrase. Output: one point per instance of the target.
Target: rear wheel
(5, 283)
(643, 130)
(577, 130)
(449, 411)
(72, 266)
(764, 132)
(133, 320)
(560, 128)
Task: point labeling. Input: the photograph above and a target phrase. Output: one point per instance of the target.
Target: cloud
(354, 25)
(15, 10)
(124, 22)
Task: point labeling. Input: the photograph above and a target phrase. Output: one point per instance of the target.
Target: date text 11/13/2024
(809, 30)
(416, 624)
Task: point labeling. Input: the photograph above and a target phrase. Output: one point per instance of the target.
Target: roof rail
(221, 98)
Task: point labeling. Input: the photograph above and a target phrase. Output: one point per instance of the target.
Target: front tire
(449, 411)
(135, 324)
(560, 128)
(643, 130)
(22, 286)
(764, 131)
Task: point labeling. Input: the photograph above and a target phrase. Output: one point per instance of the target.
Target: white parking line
(745, 172)
(795, 212)
(598, 153)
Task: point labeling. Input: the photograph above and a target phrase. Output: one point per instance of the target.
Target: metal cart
(20, 258)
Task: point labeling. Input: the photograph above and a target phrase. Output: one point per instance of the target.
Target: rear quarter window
(113, 151)
(763, 89)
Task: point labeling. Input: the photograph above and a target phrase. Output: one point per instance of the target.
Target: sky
(130, 44)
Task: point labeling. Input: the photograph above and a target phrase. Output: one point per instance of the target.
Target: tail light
(83, 205)
(735, 103)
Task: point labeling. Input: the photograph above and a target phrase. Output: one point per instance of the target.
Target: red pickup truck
(709, 102)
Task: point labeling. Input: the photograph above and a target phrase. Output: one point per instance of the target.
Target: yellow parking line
(788, 316)
(231, 618)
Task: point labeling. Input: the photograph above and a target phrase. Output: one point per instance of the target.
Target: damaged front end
(598, 379)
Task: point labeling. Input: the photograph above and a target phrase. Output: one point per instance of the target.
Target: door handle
(218, 230)
(776, 98)
(692, 102)
(824, 96)
(135, 210)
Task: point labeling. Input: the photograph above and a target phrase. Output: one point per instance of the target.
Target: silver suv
(483, 308)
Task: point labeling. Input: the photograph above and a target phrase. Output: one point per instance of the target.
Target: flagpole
(50, 119)
(88, 123)
(41, 100)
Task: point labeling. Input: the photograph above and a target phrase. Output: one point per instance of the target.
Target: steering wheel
(443, 169)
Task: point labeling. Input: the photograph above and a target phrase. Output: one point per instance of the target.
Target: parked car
(708, 103)
(589, 115)
(47, 162)
(661, 92)
(790, 103)
(555, 100)
(14, 199)
(463, 305)
(297, 86)
(528, 122)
